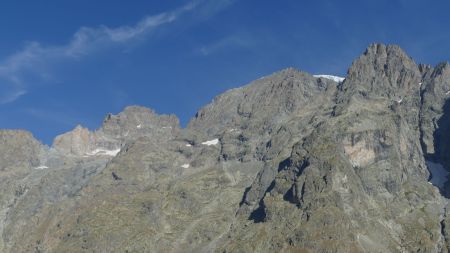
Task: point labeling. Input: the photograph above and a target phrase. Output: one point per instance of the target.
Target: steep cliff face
(289, 163)
(336, 190)
(20, 154)
(435, 92)
(19, 149)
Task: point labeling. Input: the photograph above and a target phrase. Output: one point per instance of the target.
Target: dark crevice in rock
(441, 143)
(299, 169)
(259, 214)
(284, 164)
(444, 230)
(115, 176)
(421, 130)
(290, 196)
(443, 233)
(442, 136)
(244, 196)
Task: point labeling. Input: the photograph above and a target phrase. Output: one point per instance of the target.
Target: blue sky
(64, 63)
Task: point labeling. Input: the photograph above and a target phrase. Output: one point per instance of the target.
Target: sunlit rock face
(78, 142)
(288, 163)
(117, 130)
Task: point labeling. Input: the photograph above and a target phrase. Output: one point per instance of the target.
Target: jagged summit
(270, 100)
(18, 148)
(137, 117)
(117, 130)
(384, 70)
(383, 50)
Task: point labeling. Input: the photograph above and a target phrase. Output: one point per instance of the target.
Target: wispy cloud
(234, 41)
(33, 62)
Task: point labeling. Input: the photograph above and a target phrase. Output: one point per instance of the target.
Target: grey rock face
(263, 103)
(78, 142)
(288, 163)
(18, 148)
(435, 90)
(338, 179)
(137, 121)
(384, 71)
(19, 154)
(116, 131)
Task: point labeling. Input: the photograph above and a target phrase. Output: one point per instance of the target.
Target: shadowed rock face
(288, 163)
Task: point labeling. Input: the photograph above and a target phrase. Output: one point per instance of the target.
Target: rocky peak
(425, 68)
(18, 148)
(78, 141)
(440, 77)
(263, 102)
(116, 130)
(137, 119)
(383, 71)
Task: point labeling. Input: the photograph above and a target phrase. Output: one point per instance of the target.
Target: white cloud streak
(34, 59)
(235, 41)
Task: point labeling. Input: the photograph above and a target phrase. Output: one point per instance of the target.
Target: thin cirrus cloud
(234, 41)
(34, 61)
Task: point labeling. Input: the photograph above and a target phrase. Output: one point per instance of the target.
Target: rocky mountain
(288, 163)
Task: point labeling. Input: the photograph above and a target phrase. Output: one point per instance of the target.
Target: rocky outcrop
(20, 155)
(288, 163)
(434, 94)
(117, 130)
(18, 149)
(264, 103)
(80, 141)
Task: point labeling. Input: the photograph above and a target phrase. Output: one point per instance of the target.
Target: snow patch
(42, 167)
(186, 165)
(438, 174)
(448, 92)
(188, 145)
(139, 126)
(399, 101)
(211, 142)
(100, 151)
(262, 77)
(337, 79)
